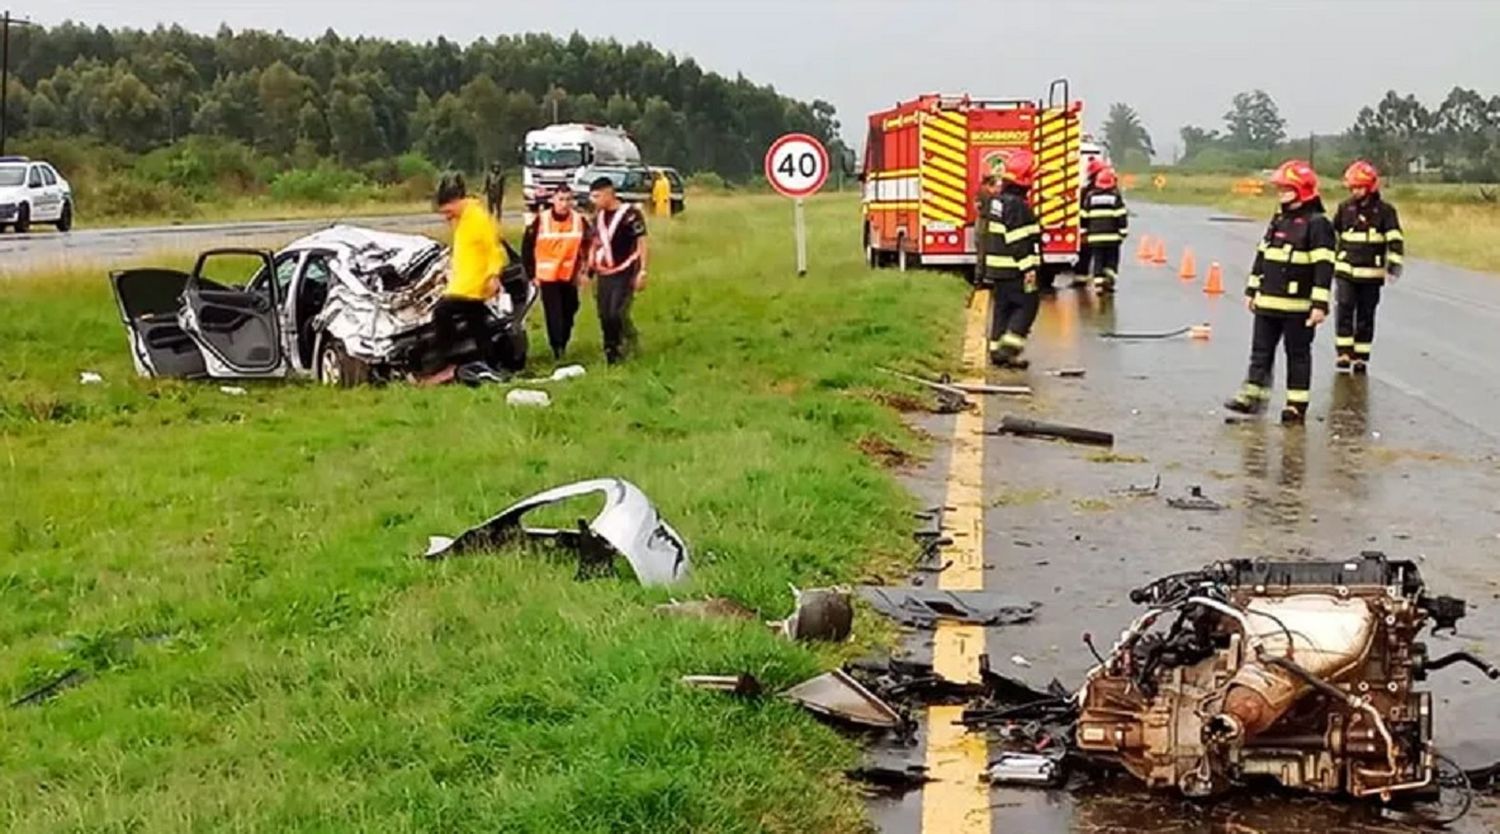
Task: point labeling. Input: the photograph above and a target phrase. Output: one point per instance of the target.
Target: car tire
(337, 369)
(23, 219)
(65, 220)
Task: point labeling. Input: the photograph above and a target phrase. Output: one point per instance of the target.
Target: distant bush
(324, 184)
(129, 196)
(706, 181)
(206, 167)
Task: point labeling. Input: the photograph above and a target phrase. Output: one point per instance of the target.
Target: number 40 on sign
(797, 166)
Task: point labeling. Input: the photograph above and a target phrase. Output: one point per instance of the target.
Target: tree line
(358, 100)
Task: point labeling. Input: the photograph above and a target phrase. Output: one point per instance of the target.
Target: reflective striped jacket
(1370, 243)
(1105, 219)
(1293, 267)
(1012, 239)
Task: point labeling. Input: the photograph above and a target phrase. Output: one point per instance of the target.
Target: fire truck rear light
(1046, 237)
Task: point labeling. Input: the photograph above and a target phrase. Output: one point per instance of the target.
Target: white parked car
(31, 191)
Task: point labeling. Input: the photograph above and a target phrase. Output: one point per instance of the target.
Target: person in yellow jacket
(474, 269)
(661, 196)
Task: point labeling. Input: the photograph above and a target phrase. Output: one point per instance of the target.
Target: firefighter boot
(1009, 357)
(1294, 414)
(1344, 362)
(1104, 284)
(1361, 366)
(1250, 400)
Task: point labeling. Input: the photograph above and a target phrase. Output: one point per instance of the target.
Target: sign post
(797, 166)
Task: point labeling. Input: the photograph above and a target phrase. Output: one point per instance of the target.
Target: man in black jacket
(1011, 257)
(1106, 222)
(1288, 292)
(1370, 249)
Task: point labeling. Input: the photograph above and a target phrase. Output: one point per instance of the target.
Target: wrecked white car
(345, 305)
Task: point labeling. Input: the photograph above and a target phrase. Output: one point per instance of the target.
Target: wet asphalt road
(1406, 461)
(43, 250)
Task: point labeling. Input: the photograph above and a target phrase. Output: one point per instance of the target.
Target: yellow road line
(958, 801)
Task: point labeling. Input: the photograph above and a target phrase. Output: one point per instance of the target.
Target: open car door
(231, 308)
(149, 300)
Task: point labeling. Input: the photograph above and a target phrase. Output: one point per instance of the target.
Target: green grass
(1443, 222)
(236, 574)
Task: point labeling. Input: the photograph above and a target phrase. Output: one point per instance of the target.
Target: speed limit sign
(797, 165)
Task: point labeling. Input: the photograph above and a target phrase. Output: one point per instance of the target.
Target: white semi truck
(551, 156)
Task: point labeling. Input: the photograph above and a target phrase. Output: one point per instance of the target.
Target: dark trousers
(613, 296)
(1105, 259)
(1294, 332)
(449, 313)
(1012, 312)
(1084, 266)
(1354, 317)
(560, 304)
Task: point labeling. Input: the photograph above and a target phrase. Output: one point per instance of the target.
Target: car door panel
(238, 329)
(148, 300)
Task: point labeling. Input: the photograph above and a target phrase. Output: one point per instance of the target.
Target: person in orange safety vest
(555, 251)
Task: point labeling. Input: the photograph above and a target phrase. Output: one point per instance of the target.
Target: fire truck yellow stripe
(948, 128)
(933, 138)
(946, 190)
(956, 118)
(895, 173)
(943, 203)
(956, 157)
(941, 163)
(932, 174)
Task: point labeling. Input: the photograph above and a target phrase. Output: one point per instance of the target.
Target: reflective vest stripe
(1007, 262)
(1343, 268)
(1282, 304)
(1367, 236)
(1013, 235)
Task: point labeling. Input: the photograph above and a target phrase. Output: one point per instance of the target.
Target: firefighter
(1106, 224)
(1083, 267)
(1012, 255)
(555, 251)
(988, 190)
(1370, 250)
(1288, 292)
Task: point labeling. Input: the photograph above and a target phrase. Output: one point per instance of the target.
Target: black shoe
(1015, 363)
(1293, 415)
(557, 352)
(1080, 283)
(1343, 362)
(1245, 405)
(1361, 366)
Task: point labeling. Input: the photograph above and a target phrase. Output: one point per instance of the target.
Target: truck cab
(551, 157)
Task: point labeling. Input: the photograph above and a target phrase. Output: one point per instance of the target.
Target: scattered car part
(1141, 490)
(838, 696)
(1026, 427)
(1196, 500)
(1302, 672)
(475, 374)
(744, 685)
(1147, 335)
(628, 525)
(1068, 373)
(528, 397)
(923, 608)
(50, 689)
(818, 614)
(232, 390)
(715, 608)
(1025, 769)
(567, 372)
(948, 402)
(963, 387)
(889, 781)
(89, 378)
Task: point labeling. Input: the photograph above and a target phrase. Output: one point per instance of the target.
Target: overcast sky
(1176, 61)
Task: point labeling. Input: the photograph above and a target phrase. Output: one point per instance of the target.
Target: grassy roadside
(236, 573)
(1446, 223)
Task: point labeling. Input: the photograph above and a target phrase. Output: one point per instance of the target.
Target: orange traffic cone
(1189, 268)
(1143, 252)
(1215, 283)
(1160, 256)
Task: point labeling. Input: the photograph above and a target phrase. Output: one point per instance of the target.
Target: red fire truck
(924, 160)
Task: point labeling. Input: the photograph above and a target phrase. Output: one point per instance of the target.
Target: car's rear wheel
(65, 220)
(23, 219)
(336, 368)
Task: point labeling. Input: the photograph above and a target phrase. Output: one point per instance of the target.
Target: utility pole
(1310, 142)
(5, 23)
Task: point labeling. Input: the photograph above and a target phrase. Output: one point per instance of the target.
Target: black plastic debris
(1146, 335)
(838, 696)
(923, 608)
(884, 781)
(1196, 500)
(1027, 427)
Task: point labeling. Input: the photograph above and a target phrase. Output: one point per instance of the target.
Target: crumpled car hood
(629, 523)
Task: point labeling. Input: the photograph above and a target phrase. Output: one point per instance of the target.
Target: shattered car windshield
(538, 156)
(12, 175)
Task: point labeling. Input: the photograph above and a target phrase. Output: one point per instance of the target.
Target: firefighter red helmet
(1297, 176)
(1362, 174)
(1020, 168)
(1096, 164)
(1106, 178)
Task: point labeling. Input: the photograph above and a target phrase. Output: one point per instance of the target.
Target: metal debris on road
(1020, 661)
(1068, 373)
(1027, 427)
(628, 525)
(838, 696)
(963, 387)
(1146, 335)
(1196, 500)
(1140, 490)
(744, 685)
(825, 614)
(922, 608)
(1025, 769)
